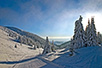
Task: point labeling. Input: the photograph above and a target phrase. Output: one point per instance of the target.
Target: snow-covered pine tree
(99, 38)
(35, 47)
(47, 47)
(21, 41)
(53, 46)
(88, 34)
(93, 37)
(71, 46)
(79, 34)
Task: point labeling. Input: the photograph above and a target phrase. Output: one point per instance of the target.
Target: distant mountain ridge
(23, 36)
(65, 45)
(58, 42)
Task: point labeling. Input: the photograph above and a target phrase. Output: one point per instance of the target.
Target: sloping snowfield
(23, 57)
(88, 57)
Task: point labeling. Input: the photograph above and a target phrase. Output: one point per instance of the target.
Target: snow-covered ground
(90, 57)
(25, 57)
(8, 52)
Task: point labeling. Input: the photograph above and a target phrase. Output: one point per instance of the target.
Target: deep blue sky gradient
(45, 17)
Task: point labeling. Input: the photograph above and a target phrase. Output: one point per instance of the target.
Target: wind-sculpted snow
(90, 57)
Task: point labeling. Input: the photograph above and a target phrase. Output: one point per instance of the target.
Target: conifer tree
(21, 41)
(79, 34)
(71, 46)
(53, 47)
(93, 37)
(47, 47)
(88, 34)
(99, 38)
(91, 33)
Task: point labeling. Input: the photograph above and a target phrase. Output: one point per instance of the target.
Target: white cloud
(97, 18)
(59, 16)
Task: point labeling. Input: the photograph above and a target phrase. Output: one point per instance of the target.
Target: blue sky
(53, 18)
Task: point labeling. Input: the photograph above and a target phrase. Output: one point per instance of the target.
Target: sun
(97, 18)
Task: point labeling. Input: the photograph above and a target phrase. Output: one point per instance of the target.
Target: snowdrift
(87, 57)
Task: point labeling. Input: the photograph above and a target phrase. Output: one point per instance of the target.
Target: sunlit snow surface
(87, 57)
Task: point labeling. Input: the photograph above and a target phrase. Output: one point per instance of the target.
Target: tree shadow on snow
(14, 62)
